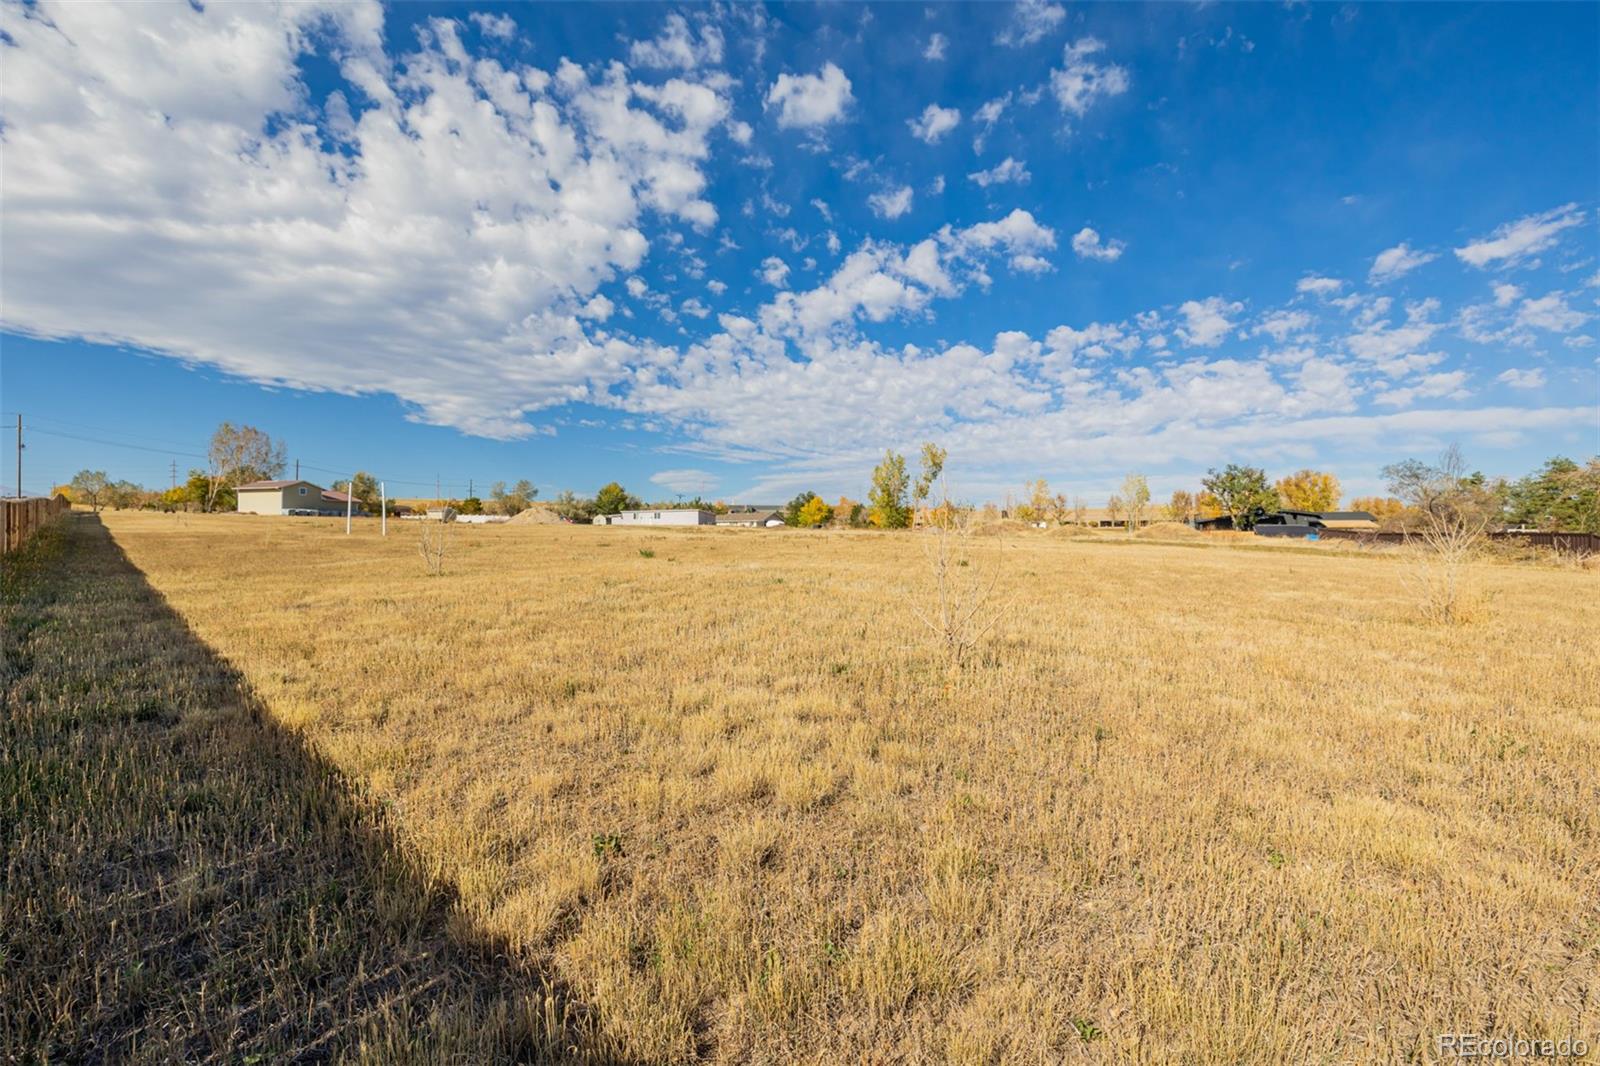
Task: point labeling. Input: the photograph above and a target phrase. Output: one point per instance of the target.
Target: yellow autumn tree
(815, 513)
(1309, 490)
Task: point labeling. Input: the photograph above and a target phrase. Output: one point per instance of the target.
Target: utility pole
(174, 473)
(470, 493)
(383, 507)
(349, 503)
(297, 470)
(19, 457)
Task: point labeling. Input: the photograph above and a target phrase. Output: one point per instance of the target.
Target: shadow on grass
(184, 880)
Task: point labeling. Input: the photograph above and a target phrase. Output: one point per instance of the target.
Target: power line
(338, 472)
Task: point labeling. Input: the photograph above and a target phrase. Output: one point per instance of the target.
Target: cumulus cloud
(1516, 242)
(1505, 295)
(774, 272)
(1008, 172)
(1447, 385)
(500, 27)
(1082, 81)
(1030, 21)
(1550, 313)
(1206, 322)
(1531, 378)
(934, 123)
(676, 47)
(810, 101)
(461, 211)
(1319, 286)
(1397, 262)
(936, 47)
(891, 203)
(1087, 245)
(1280, 324)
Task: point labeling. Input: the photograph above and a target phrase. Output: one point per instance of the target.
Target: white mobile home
(669, 516)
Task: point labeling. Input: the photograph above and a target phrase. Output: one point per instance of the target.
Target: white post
(349, 503)
(383, 506)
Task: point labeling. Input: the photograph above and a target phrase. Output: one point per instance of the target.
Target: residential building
(291, 498)
(756, 519)
(665, 516)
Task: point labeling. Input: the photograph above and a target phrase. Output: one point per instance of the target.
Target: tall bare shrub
(959, 605)
(1452, 514)
(434, 542)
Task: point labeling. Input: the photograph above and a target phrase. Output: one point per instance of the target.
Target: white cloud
(986, 116)
(1030, 21)
(1280, 324)
(1206, 322)
(1086, 243)
(810, 101)
(936, 46)
(1009, 171)
(499, 27)
(774, 272)
(1082, 81)
(217, 211)
(687, 482)
(891, 203)
(1505, 295)
(1550, 313)
(1319, 286)
(1531, 378)
(1448, 385)
(1516, 242)
(1396, 262)
(693, 307)
(676, 47)
(934, 123)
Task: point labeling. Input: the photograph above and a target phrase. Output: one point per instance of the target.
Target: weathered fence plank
(23, 515)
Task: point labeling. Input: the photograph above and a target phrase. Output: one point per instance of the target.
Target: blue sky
(741, 250)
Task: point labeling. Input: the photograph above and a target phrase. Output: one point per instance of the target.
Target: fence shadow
(184, 880)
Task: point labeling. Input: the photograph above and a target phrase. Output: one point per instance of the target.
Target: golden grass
(1219, 801)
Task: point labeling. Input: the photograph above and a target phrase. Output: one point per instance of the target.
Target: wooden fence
(1574, 543)
(23, 515)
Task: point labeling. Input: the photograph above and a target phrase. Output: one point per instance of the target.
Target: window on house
(658, 514)
(302, 490)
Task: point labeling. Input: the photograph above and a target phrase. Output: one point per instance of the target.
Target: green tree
(791, 512)
(1561, 495)
(198, 491)
(888, 493)
(930, 469)
(125, 494)
(471, 505)
(90, 487)
(1241, 492)
(614, 499)
(814, 514)
(364, 487)
(572, 507)
(513, 500)
(1136, 498)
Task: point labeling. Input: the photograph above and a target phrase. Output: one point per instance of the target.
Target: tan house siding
(275, 501)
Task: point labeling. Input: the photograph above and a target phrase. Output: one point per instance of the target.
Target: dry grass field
(658, 796)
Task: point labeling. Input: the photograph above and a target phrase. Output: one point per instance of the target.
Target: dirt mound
(1003, 527)
(1168, 531)
(537, 515)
